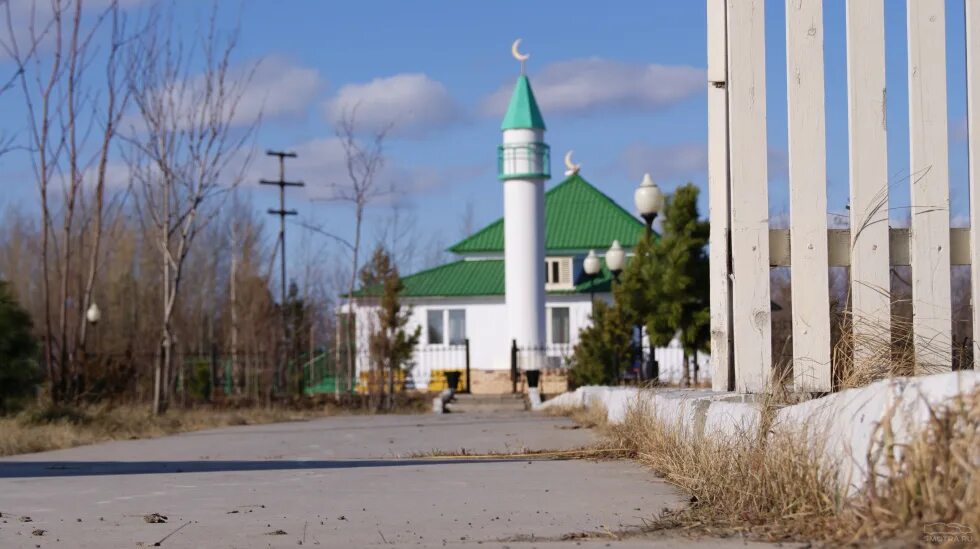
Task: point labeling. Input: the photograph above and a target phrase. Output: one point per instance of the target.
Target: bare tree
(188, 151)
(72, 121)
(363, 160)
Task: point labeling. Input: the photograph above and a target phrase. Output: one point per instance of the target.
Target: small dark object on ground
(25, 519)
(155, 518)
(38, 532)
(279, 532)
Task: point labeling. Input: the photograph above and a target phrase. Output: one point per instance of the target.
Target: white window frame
(550, 331)
(447, 336)
(565, 276)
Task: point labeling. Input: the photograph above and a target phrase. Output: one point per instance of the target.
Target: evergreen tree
(391, 346)
(19, 372)
(604, 348)
(675, 279)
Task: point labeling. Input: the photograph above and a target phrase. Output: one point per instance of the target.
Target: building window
(457, 326)
(558, 272)
(439, 319)
(560, 326)
(436, 332)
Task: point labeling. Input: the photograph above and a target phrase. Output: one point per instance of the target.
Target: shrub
(19, 372)
(604, 349)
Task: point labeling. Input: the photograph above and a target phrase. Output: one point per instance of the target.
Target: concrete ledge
(842, 427)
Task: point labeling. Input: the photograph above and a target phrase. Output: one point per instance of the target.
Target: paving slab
(333, 482)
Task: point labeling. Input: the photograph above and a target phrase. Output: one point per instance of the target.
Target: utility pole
(282, 212)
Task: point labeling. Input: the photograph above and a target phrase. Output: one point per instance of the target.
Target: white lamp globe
(648, 197)
(615, 257)
(591, 265)
(93, 314)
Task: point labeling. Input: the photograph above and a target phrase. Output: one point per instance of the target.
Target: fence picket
(868, 172)
(973, 132)
(808, 196)
(718, 198)
(749, 194)
(929, 181)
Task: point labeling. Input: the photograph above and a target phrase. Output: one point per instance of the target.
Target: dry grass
(933, 479)
(596, 452)
(37, 430)
(590, 417)
(878, 352)
(774, 487)
(742, 484)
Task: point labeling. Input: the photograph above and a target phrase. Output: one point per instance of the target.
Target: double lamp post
(649, 201)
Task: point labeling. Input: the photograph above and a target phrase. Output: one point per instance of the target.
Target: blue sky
(622, 84)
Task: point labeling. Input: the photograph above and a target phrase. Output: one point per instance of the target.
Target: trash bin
(452, 379)
(532, 378)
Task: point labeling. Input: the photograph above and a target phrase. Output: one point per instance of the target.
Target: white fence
(670, 361)
(742, 246)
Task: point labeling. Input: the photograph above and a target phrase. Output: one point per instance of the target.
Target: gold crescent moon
(518, 55)
(571, 168)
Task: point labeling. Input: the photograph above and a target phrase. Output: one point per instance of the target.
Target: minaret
(523, 164)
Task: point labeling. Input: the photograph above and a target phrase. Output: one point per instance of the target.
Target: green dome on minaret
(523, 112)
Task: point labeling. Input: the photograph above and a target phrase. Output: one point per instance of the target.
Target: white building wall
(490, 343)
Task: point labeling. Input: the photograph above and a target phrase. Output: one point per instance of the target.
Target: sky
(620, 83)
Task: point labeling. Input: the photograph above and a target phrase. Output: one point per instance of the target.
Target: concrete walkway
(335, 482)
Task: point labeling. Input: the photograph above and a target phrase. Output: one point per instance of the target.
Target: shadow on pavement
(35, 469)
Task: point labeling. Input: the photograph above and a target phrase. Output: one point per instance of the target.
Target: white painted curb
(843, 426)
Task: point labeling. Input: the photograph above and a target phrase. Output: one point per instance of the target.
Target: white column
(524, 253)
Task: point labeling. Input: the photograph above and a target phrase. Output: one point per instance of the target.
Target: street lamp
(615, 259)
(649, 200)
(93, 314)
(591, 266)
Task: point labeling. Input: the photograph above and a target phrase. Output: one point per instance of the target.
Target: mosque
(518, 294)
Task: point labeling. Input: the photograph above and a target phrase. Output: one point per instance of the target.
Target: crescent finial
(571, 169)
(522, 57)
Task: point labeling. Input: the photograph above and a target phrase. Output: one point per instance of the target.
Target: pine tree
(604, 348)
(391, 346)
(19, 372)
(675, 280)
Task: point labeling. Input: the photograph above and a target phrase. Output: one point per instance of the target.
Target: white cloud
(412, 102)
(278, 88)
(37, 13)
(583, 85)
(321, 164)
(685, 161)
(665, 163)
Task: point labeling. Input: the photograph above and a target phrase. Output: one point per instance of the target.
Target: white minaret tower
(523, 164)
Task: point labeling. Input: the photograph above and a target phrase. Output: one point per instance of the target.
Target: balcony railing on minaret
(524, 161)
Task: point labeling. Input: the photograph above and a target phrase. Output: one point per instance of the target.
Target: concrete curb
(842, 427)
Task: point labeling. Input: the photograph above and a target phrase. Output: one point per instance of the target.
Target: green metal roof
(460, 278)
(523, 110)
(577, 217)
(476, 278)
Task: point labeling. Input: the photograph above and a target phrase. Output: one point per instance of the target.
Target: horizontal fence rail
(839, 247)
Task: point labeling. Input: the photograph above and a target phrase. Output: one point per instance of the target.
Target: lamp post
(591, 266)
(649, 200)
(615, 259)
(93, 314)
